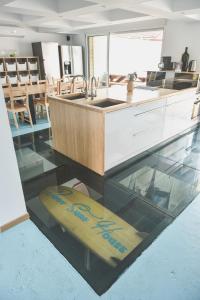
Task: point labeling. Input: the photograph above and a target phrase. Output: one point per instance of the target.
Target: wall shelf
(19, 69)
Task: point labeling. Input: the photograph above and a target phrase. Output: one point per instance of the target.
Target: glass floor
(102, 230)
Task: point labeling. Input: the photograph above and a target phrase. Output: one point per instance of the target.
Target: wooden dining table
(34, 89)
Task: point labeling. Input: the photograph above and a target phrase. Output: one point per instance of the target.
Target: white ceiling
(68, 16)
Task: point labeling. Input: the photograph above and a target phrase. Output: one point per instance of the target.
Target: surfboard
(98, 228)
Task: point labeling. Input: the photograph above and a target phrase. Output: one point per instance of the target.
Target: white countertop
(138, 97)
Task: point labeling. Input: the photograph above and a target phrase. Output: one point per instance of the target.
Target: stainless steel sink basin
(74, 96)
(107, 103)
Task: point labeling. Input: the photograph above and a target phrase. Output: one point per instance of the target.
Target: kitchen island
(106, 131)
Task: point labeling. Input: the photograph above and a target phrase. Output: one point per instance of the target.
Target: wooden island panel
(78, 133)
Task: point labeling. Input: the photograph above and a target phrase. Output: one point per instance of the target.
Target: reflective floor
(126, 209)
(25, 128)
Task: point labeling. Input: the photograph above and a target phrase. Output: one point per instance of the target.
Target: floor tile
(31, 164)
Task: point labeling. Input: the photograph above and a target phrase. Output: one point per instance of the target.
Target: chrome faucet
(93, 87)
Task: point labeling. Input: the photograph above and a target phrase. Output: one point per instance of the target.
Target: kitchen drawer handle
(148, 111)
(135, 134)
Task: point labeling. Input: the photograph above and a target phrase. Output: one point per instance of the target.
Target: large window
(135, 52)
(129, 52)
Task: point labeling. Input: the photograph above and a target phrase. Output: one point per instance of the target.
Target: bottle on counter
(185, 60)
(131, 78)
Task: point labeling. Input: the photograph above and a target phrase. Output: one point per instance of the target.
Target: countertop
(138, 97)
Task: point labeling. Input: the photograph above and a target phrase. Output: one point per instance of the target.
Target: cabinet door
(128, 133)
(151, 125)
(148, 120)
(186, 95)
(178, 116)
(51, 60)
(77, 60)
(118, 137)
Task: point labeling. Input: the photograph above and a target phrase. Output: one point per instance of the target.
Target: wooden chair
(53, 86)
(78, 84)
(41, 100)
(18, 103)
(65, 86)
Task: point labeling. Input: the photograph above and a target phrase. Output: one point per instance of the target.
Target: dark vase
(185, 60)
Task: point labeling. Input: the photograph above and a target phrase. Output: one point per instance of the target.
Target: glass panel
(131, 52)
(185, 150)
(103, 229)
(161, 182)
(98, 239)
(34, 154)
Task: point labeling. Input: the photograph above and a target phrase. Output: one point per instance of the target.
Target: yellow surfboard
(99, 229)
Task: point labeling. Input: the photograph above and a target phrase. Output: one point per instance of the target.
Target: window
(129, 52)
(135, 52)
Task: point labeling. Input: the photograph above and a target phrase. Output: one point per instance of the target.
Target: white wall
(12, 204)
(149, 24)
(23, 45)
(78, 39)
(179, 35)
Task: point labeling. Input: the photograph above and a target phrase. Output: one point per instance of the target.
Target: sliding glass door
(118, 54)
(138, 51)
(98, 60)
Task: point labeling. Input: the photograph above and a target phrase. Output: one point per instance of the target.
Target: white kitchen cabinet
(178, 114)
(133, 130)
(181, 97)
(118, 136)
(129, 132)
(145, 107)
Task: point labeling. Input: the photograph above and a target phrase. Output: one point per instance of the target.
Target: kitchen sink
(74, 96)
(107, 103)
